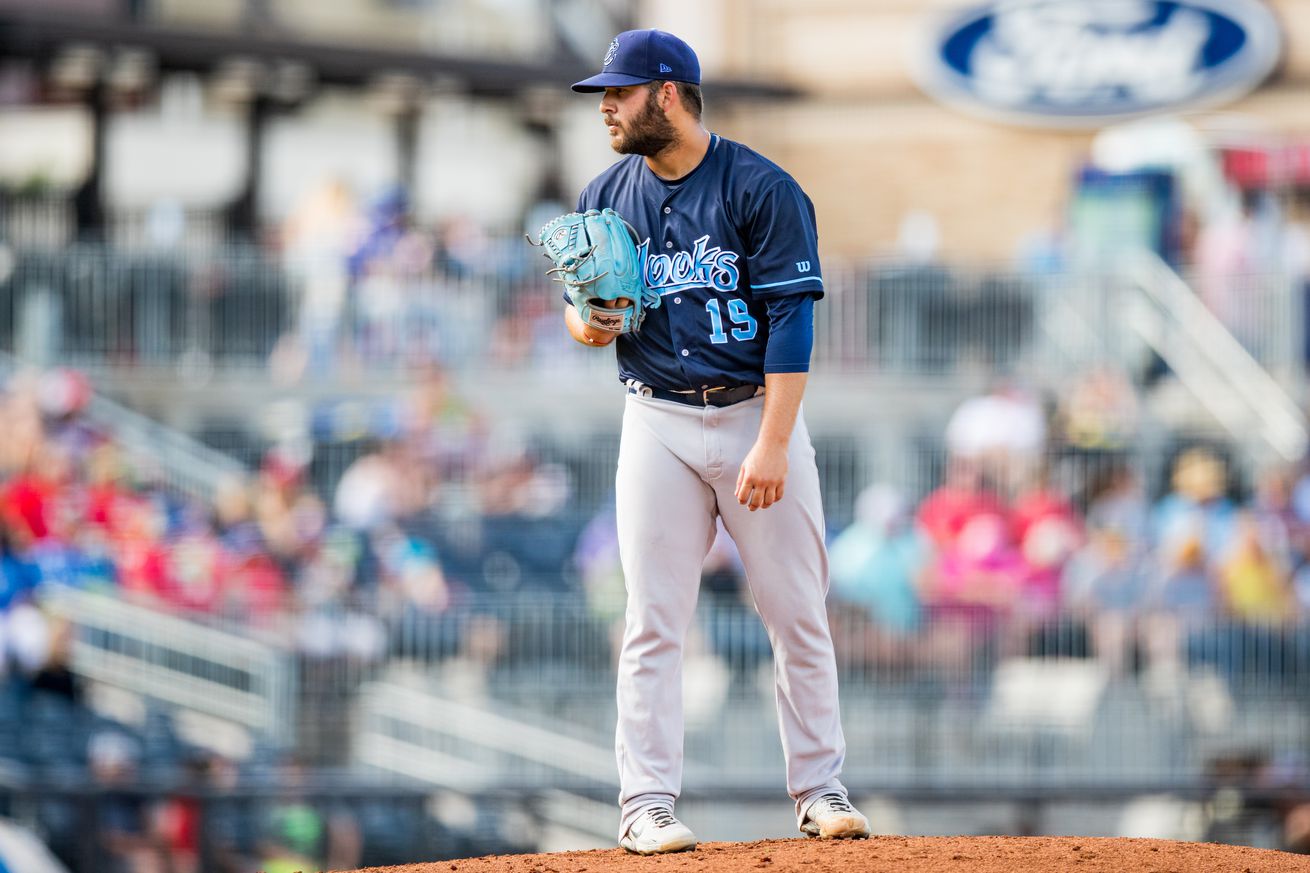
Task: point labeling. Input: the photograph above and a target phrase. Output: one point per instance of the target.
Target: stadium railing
(229, 307)
(187, 665)
(990, 695)
(515, 693)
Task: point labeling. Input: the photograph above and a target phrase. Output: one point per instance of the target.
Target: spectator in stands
(26, 633)
(289, 515)
(56, 676)
(880, 561)
(196, 569)
(965, 493)
(177, 820)
(1253, 576)
(1194, 527)
(980, 577)
(517, 483)
(371, 492)
(388, 270)
(1002, 431)
(317, 239)
(880, 566)
(1106, 582)
(1274, 511)
(142, 554)
(1048, 530)
(463, 247)
(410, 571)
(297, 836)
(18, 578)
(442, 431)
(28, 498)
(1097, 413)
(234, 519)
(124, 834)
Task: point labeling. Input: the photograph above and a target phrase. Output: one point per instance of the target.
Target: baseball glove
(595, 256)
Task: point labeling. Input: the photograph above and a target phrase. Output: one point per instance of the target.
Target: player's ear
(668, 95)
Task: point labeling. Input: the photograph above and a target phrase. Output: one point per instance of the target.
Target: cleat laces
(837, 803)
(662, 817)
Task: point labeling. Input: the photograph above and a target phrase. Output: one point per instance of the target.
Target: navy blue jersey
(717, 245)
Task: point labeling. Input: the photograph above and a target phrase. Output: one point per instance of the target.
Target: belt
(718, 396)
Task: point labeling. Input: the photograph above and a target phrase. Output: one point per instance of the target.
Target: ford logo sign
(1087, 62)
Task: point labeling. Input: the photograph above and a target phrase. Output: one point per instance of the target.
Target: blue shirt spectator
(877, 561)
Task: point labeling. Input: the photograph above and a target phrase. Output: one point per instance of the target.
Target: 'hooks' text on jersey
(702, 267)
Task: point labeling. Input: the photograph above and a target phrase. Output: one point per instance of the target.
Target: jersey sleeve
(587, 199)
(783, 244)
(791, 334)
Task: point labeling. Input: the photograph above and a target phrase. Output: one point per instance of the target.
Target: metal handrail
(521, 737)
(178, 662)
(186, 463)
(1234, 386)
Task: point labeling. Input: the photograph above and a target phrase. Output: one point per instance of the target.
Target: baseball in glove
(595, 257)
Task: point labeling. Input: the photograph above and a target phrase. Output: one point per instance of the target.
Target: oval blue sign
(1086, 62)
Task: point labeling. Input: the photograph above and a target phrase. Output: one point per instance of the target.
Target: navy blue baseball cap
(638, 56)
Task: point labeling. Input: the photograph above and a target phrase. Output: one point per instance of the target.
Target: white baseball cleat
(832, 817)
(657, 832)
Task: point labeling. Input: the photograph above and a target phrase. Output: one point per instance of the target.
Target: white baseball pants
(677, 471)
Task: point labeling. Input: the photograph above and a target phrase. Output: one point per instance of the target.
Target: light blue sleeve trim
(818, 279)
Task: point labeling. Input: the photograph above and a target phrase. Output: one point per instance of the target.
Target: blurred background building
(307, 552)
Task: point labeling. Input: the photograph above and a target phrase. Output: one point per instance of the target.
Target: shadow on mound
(884, 854)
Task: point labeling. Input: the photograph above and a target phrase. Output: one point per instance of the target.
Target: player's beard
(646, 134)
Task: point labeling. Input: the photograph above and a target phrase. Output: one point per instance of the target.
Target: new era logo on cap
(635, 57)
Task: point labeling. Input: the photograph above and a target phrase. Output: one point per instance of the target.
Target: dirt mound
(887, 854)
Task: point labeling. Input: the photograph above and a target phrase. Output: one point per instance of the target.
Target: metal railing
(1222, 374)
(158, 453)
(470, 698)
(197, 311)
(962, 699)
(180, 663)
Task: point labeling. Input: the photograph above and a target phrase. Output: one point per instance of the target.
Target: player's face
(637, 125)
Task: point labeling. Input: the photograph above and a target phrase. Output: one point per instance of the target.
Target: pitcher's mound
(901, 854)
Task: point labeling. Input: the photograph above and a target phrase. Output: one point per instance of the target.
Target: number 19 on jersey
(739, 315)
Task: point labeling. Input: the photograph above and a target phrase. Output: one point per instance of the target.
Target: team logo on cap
(611, 52)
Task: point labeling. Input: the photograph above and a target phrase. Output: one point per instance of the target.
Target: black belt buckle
(705, 395)
(727, 396)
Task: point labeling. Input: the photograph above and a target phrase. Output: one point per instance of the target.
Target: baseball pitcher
(697, 259)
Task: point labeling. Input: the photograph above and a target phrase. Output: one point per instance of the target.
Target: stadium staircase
(1147, 308)
(226, 689)
(407, 730)
(169, 456)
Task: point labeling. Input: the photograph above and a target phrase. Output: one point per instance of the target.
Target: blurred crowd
(431, 513)
(1047, 519)
(1038, 516)
(382, 288)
